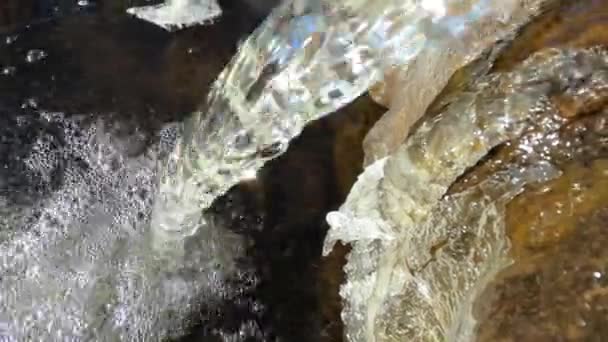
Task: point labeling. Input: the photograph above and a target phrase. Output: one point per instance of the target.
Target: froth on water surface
(88, 108)
(85, 114)
(76, 258)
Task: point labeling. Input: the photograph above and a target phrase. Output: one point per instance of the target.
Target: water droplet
(35, 55)
(9, 71)
(10, 39)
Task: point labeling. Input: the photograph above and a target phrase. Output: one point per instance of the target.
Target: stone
(408, 91)
(398, 270)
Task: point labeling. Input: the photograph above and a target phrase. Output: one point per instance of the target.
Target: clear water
(94, 259)
(308, 59)
(78, 174)
(420, 254)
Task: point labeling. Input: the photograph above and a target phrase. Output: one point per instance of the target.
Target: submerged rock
(553, 288)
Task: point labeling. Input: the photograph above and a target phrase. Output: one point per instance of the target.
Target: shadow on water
(60, 56)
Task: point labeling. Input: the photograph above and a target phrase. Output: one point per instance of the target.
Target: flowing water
(87, 100)
(87, 103)
(105, 232)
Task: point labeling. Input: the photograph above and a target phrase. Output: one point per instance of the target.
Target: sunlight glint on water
(308, 59)
(76, 264)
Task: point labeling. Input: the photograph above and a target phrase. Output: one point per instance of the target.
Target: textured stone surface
(555, 288)
(559, 292)
(559, 295)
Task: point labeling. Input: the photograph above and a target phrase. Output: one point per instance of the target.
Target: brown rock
(558, 295)
(579, 24)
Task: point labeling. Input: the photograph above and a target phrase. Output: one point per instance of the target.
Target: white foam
(76, 262)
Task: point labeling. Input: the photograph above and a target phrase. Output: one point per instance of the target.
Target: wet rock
(560, 294)
(554, 288)
(545, 214)
(559, 26)
(417, 253)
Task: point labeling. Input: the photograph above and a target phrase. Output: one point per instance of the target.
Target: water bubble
(10, 39)
(35, 55)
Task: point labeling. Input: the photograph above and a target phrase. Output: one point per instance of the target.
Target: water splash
(177, 14)
(399, 286)
(75, 254)
(35, 55)
(308, 59)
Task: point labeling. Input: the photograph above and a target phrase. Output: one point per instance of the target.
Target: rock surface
(136, 76)
(391, 290)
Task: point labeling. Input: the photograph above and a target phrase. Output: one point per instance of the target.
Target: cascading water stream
(76, 262)
(308, 59)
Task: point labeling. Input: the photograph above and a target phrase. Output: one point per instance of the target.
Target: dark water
(61, 56)
(100, 59)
